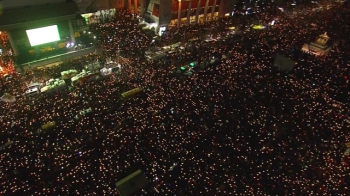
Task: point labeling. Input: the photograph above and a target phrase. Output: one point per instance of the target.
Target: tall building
(98, 5)
(171, 13)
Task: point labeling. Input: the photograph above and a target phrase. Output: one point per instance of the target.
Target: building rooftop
(16, 16)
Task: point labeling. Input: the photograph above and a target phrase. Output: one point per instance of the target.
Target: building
(40, 29)
(43, 29)
(168, 13)
(89, 6)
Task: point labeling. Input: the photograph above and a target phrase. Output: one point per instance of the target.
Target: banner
(150, 6)
(165, 12)
(155, 11)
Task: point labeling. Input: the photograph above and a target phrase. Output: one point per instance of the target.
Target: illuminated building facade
(168, 13)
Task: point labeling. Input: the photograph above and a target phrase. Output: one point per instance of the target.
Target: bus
(131, 93)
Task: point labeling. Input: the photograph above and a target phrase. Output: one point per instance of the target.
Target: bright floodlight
(43, 35)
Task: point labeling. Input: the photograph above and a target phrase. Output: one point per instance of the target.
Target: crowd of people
(236, 127)
(121, 36)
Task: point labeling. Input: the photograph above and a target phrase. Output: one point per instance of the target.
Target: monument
(322, 39)
(319, 47)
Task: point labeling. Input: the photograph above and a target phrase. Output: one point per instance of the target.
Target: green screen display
(43, 35)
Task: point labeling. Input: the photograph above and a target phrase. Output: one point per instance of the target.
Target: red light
(6, 71)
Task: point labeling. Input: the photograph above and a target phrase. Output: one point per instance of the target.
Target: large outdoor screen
(43, 35)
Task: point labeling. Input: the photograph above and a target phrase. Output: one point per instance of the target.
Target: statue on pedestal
(322, 39)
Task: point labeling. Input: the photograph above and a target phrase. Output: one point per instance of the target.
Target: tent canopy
(131, 183)
(283, 63)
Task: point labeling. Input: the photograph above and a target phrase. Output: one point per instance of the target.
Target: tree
(7, 58)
